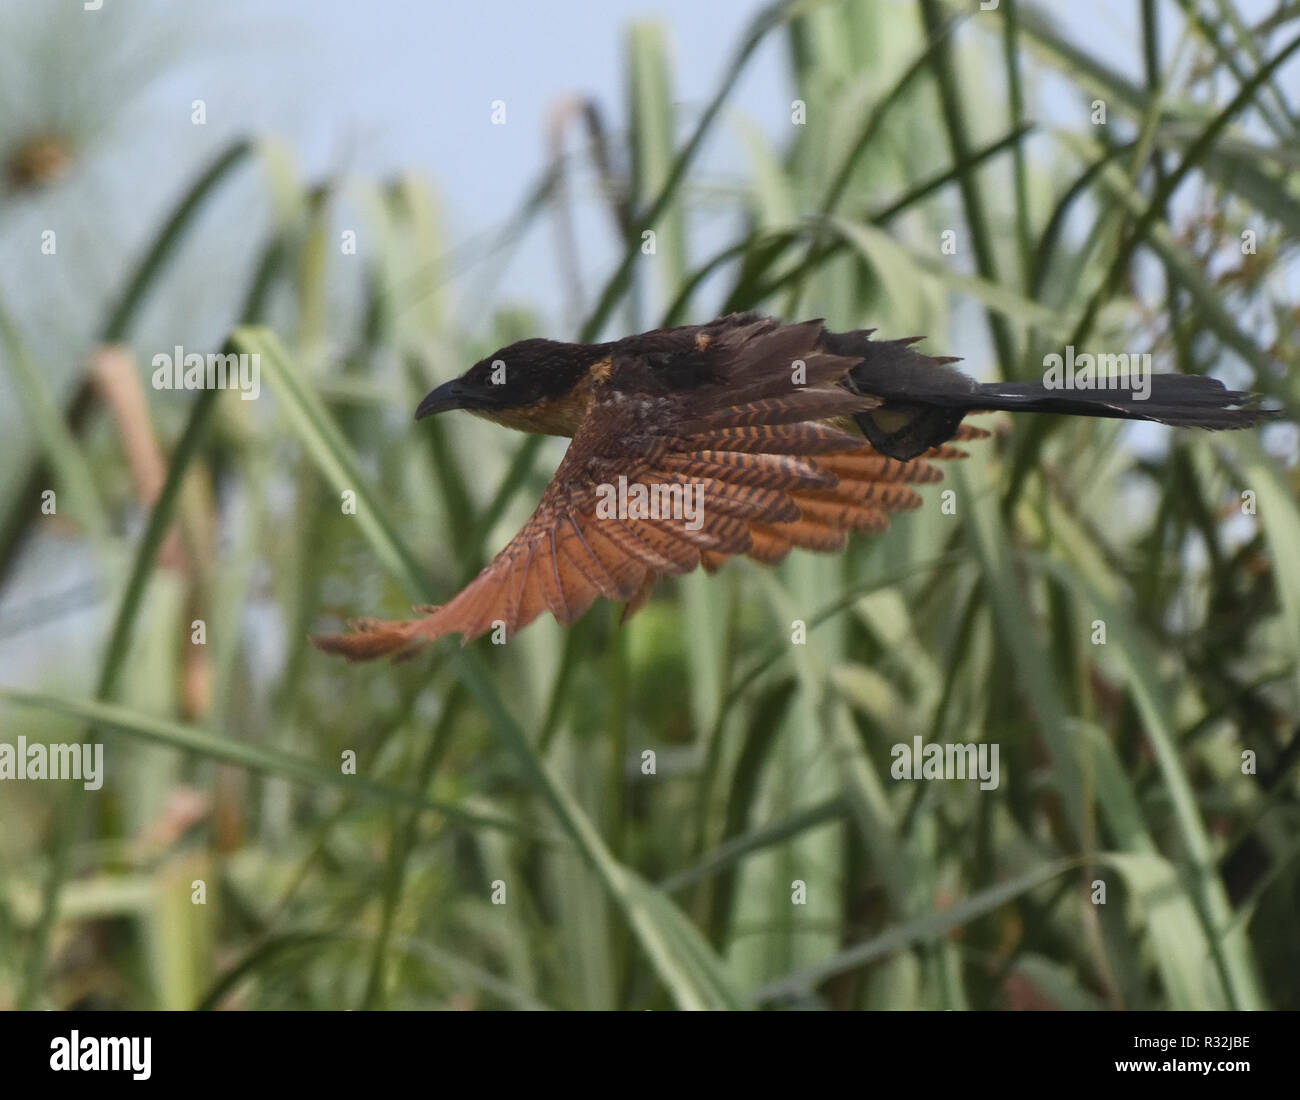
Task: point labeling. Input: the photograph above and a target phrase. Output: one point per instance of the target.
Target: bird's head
(533, 386)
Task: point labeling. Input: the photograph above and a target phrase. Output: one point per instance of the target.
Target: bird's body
(784, 435)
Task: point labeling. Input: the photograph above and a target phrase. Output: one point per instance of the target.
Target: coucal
(740, 436)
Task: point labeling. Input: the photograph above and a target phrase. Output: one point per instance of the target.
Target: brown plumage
(792, 436)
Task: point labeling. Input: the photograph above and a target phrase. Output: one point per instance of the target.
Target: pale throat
(551, 416)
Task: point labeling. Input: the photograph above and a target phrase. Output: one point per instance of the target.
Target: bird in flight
(694, 444)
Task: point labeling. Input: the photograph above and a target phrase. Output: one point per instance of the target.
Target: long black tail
(925, 398)
(1183, 400)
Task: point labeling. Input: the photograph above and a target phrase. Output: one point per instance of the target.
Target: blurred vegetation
(1121, 762)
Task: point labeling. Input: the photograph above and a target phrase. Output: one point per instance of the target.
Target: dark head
(531, 385)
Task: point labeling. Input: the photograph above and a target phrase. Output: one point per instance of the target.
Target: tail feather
(924, 400)
(1183, 400)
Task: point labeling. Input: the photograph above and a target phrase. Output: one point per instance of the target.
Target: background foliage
(1121, 763)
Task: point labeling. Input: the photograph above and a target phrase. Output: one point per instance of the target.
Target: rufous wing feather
(767, 458)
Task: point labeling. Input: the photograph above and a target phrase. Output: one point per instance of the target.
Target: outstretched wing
(749, 461)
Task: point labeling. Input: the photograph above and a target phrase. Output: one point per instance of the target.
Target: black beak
(447, 396)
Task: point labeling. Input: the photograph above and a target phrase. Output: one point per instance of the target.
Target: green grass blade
(260, 758)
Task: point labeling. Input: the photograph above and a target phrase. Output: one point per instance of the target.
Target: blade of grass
(1195, 153)
(1022, 641)
(767, 20)
(1230, 951)
(926, 928)
(59, 445)
(259, 758)
(734, 849)
(886, 254)
(976, 210)
(1280, 518)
